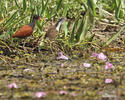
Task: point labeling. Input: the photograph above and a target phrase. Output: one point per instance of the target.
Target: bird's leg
(24, 45)
(51, 47)
(39, 44)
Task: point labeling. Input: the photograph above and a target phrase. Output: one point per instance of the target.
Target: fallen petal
(26, 70)
(12, 85)
(101, 56)
(108, 65)
(61, 56)
(62, 65)
(73, 94)
(108, 80)
(94, 55)
(62, 92)
(86, 65)
(40, 94)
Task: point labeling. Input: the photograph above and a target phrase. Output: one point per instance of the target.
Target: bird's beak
(40, 19)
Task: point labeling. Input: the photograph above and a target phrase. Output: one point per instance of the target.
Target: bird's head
(37, 17)
(62, 20)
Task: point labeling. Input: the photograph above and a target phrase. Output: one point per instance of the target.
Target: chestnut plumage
(27, 30)
(53, 30)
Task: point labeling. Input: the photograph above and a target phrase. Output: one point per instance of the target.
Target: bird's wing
(51, 33)
(23, 32)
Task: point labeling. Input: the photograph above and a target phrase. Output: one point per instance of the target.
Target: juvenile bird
(53, 30)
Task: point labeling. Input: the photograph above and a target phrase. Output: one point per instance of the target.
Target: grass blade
(65, 29)
(59, 5)
(16, 3)
(65, 10)
(91, 4)
(7, 34)
(24, 5)
(91, 38)
(48, 15)
(73, 31)
(31, 6)
(44, 6)
(114, 36)
(78, 33)
(9, 21)
(84, 29)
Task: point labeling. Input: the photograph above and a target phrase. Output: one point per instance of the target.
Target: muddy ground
(34, 70)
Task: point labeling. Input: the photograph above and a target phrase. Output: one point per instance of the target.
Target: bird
(52, 32)
(26, 30)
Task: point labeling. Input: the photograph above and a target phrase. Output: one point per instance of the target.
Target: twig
(6, 45)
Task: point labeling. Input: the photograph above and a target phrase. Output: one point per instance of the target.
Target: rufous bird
(27, 30)
(52, 32)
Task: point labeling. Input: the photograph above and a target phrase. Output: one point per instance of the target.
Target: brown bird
(27, 30)
(53, 30)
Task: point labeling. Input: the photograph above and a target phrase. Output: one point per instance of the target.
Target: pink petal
(108, 65)
(12, 85)
(108, 80)
(8, 36)
(94, 55)
(73, 94)
(101, 56)
(62, 92)
(86, 65)
(26, 70)
(40, 94)
(64, 87)
(62, 65)
(61, 56)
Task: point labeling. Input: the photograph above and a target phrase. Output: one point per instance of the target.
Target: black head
(62, 20)
(36, 17)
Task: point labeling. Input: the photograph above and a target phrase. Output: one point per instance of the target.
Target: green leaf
(84, 29)
(31, 6)
(59, 5)
(69, 23)
(65, 10)
(91, 19)
(73, 31)
(78, 33)
(48, 15)
(16, 3)
(92, 6)
(121, 15)
(114, 36)
(24, 5)
(118, 9)
(65, 29)
(10, 20)
(7, 34)
(39, 26)
(44, 6)
(91, 38)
